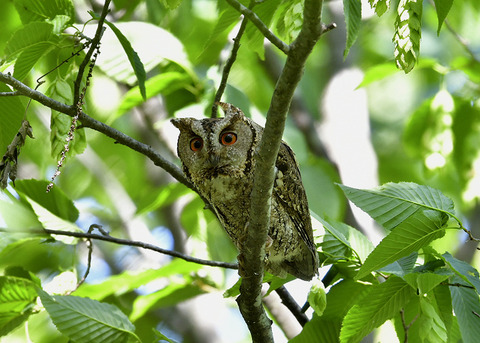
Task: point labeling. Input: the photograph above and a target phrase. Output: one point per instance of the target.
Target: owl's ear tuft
(182, 123)
(230, 110)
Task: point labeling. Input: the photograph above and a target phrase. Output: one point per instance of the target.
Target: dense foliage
(392, 98)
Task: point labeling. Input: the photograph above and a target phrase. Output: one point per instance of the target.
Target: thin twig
(93, 46)
(406, 326)
(10, 94)
(260, 25)
(228, 67)
(89, 259)
(107, 238)
(292, 305)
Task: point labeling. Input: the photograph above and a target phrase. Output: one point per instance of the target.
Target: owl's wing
(289, 192)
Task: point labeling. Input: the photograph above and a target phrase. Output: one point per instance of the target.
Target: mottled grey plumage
(217, 157)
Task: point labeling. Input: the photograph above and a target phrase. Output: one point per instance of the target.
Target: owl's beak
(214, 160)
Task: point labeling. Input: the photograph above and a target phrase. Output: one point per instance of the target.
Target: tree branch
(107, 238)
(260, 25)
(292, 305)
(251, 258)
(96, 125)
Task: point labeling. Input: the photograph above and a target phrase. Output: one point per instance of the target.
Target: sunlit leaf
(133, 57)
(409, 236)
(467, 307)
(170, 295)
(392, 203)
(29, 57)
(128, 281)
(377, 72)
(56, 201)
(380, 6)
(255, 39)
(152, 43)
(379, 304)
(164, 84)
(39, 10)
(17, 297)
(353, 19)
(442, 7)
(87, 320)
(28, 35)
(425, 282)
(432, 328)
(463, 270)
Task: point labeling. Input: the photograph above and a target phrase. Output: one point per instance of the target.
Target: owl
(217, 155)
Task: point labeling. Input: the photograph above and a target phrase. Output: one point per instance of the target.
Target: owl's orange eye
(196, 144)
(228, 138)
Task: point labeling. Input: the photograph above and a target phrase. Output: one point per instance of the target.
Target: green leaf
(425, 282)
(442, 7)
(227, 19)
(292, 20)
(29, 57)
(16, 293)
(40, 10)
(53, 222)
(55, 201)
(165, 83)
(114, 61)
(393, 203)
(30, 34)
(380, 6)
(402, 266)
(11, 115)
(463, 270)
(128, 281)
(407, 34)
(432, 327)
(353, 19)
(163, 197)
(334, 243)
(466, 305)
(379, 304)
(17, 298)
(409, 236)
(255, 39)
(377, 72)
(171, 295)
(133, 57)
(60, 123)
(317, 297)
(87, 320)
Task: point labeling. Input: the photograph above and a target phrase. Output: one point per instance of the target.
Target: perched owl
(217, 157)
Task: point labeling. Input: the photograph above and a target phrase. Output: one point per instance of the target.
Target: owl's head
(217, 146)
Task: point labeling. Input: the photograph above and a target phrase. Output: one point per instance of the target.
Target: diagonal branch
(251, 257)
(248, 13)
(96, 125)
